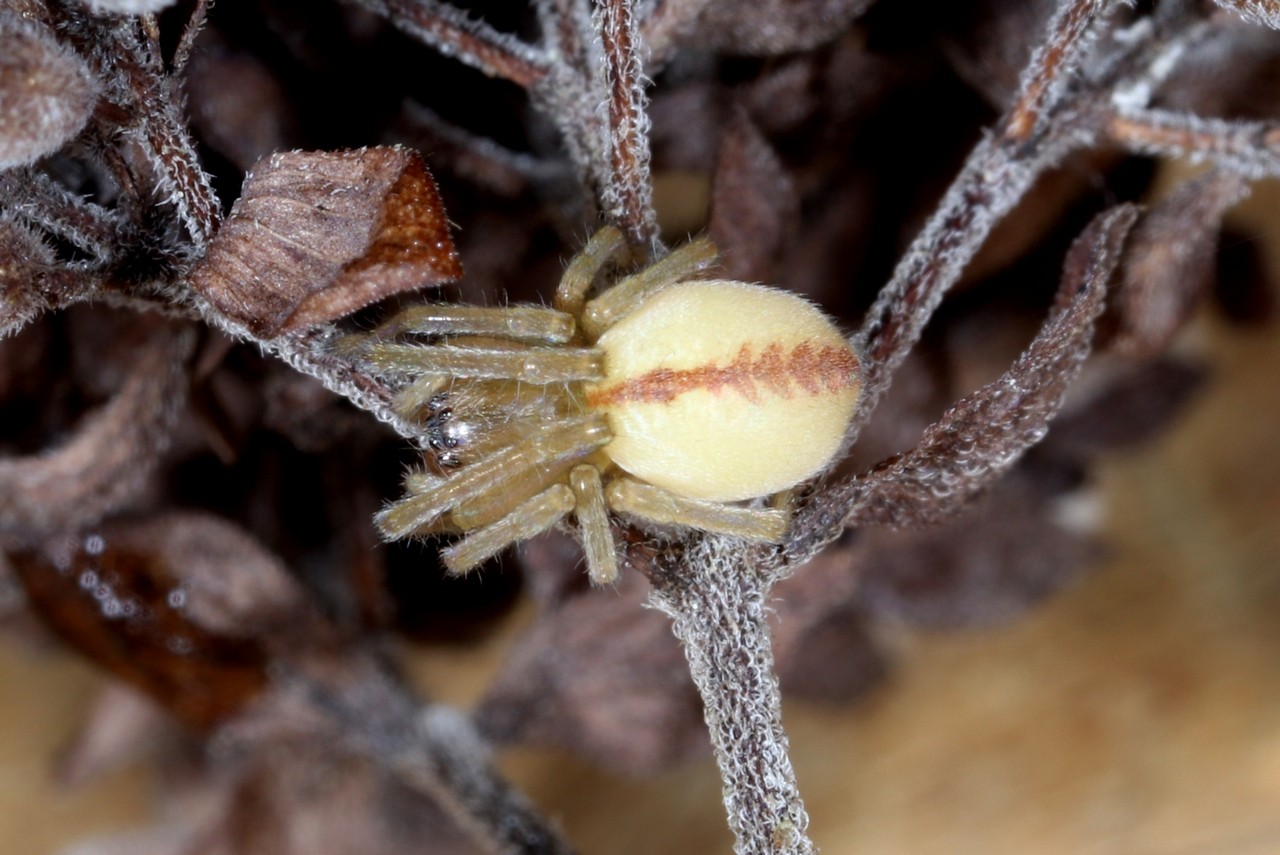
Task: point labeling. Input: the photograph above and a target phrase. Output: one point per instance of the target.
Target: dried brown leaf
(105, 463)
(602, 677)
(983, 434)
(999, 558)
(187, 608)
(754, 205)
(687, 122)
(1170, 263)
(47, 92)
(317, 235)
(1136, 404)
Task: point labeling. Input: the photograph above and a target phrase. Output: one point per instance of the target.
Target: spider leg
(411, 400)
(607, 309)
(580, 275)
(549, 446)
(593, 523)
(655, 504)
(536, 365)
(532, 324)
(517, 486)
(532, 517)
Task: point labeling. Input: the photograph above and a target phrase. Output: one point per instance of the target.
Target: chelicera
(667, 399)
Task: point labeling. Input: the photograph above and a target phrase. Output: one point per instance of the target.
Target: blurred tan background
(1138, 713)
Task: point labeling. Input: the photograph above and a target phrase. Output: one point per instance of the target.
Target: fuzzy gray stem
(437, 751)
(454, 33)
(453, 757)
(993, 181)
(1034, 135)
(628, 193)
(1249, 148)
(720, 617)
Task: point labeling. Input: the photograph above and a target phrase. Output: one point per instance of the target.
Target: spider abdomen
(724, 391)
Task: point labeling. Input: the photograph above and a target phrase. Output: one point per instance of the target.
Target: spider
(670, 400)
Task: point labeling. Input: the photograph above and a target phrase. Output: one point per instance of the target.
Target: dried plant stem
(195, 23)
(502, 166)
(451, 759)
(566, 31)
(993, 180)
(437, 751)
(718, 610)
(1259, 11)
(1249, 148)
(454, 33)
(164, 136)
(1037, 132)
(566, 97)
(309, 352)
(38, 199)
(1050, 67)
(986, 432)
(628, 193)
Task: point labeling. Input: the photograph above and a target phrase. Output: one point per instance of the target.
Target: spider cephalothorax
(671, 400)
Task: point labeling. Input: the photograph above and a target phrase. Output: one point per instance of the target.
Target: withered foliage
(317, 236)
(46, 91)
(197, 203)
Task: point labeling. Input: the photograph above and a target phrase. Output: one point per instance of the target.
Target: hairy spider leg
(638, 499)
(548, 447)
(522, 482)
(530, 324)
(531, 517)
(630, 291)
(603, 247)
(593, 525)
(415, 397)
(525, 364)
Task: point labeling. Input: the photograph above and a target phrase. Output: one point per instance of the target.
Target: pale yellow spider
(668, 400)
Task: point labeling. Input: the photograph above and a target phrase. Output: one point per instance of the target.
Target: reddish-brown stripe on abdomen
(813, 370)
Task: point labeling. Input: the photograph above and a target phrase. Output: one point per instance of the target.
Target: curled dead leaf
(317, 235)
(986, 432)
(46, 91)
(1169, 264)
